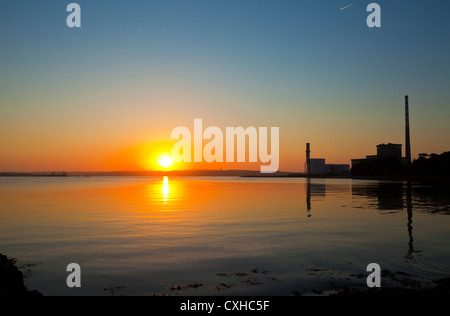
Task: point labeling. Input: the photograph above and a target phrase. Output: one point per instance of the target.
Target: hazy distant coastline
(219, 173)
(183, 173)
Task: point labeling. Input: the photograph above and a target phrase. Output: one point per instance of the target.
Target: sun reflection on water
(165, 189)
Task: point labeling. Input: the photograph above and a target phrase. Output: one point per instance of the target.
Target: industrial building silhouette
(393, 151)
(389, 152)
(318, 166)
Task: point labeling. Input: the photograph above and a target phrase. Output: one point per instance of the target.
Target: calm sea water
(222, 236)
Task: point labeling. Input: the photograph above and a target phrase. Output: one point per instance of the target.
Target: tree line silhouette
(427, 165)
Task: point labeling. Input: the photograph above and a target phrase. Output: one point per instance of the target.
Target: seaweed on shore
(441, 288)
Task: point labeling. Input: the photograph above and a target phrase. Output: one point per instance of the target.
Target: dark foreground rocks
(11, 279)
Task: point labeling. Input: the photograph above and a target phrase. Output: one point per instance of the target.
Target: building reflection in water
(308, 196)
(409, 208)
(380, 195)
(314, 190)
(390, 196)
(384, 196)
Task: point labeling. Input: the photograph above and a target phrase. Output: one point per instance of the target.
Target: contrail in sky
(348, 6)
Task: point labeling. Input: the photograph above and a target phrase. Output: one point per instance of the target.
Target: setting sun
(165, 161)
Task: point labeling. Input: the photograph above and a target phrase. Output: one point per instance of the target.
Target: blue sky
(137, 69)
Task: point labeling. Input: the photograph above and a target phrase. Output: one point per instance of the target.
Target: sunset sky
(107, 96)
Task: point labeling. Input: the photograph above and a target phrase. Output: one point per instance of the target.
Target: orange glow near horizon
(154, 155)
(150, 157)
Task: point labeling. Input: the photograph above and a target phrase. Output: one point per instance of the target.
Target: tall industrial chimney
(407, 140)
(308, 159)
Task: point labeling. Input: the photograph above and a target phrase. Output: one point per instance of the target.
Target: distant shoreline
(188, 173)
(214, 173)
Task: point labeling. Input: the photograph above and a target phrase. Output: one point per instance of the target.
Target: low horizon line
(145, 171)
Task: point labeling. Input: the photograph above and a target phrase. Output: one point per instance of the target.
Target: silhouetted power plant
(393, 150)
(318, 167)
(308, 159)
(407, 136)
